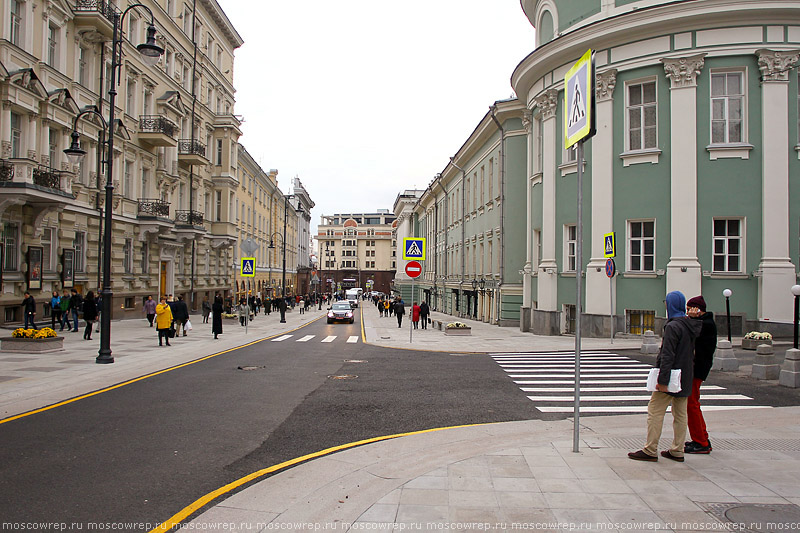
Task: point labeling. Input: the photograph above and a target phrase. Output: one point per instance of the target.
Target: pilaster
(683, 270)
(527, 269)
(547, 280)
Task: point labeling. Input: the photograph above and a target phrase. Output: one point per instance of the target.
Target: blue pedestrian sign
(414, 249)
(248, 267)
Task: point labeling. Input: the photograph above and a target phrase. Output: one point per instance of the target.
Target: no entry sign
(413, 269)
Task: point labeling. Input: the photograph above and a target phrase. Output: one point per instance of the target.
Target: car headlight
(330, 315)
(350, 315)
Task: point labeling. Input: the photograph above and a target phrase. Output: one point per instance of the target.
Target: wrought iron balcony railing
(153, 207)
(103, 7)
(6, 170)
(156, 124)
(47, 177)
(188, 146)
(189, 218)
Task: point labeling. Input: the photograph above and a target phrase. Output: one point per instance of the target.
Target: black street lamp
(796, 292)
(283, 239)
(727, 294)
(150, 53)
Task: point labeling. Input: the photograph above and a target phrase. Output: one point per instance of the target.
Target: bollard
(790, 373)
(764, 366)
(649, 343)
(725, 360)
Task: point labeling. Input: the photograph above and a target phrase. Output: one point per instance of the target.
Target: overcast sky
(364, 98)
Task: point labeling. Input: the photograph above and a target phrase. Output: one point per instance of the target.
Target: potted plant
(457, 328)
(32, 341)
(754, 338)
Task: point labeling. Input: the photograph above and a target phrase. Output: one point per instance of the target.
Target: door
(162, 282)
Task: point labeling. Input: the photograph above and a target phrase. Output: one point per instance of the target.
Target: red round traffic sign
(413, 269)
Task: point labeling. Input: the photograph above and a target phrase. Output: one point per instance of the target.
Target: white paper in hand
(674, 380)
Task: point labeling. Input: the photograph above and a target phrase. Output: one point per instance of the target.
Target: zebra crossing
(610, 383)
(351, 339)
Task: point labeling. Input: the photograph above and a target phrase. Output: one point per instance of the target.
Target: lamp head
(75, 153)
(474, 284)
(149, 50)
(483, 283)
(796, 290)
(727, 293)
(271, 244)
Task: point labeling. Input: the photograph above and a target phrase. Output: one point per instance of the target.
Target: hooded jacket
(704, 346)
(677, 345)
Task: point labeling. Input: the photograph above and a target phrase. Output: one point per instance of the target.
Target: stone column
(777, 270)
(547, 285)
(597, 292)
(527, 269)
(683, 270)
(33, 137)
(5, 130)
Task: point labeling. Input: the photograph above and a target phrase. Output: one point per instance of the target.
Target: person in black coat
(282, 306)
(399, 311)
(424, 311)
(180, 314)
(216, 320)
(704, 348)
(89, 314)
(29, 310)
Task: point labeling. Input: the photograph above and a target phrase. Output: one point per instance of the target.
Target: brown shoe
(668, 455)
(641, 455)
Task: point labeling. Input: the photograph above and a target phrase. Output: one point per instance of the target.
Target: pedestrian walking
(216, 320)
(380, 308)
(399, 311)
(390, 306)
(149, 309)
(89, 315)
(206, 307)
(55, 309)
(75, 307)
(415, 314)
(163, 321)
(676, 353)
(282, 307)
(302, 306)
(244, 311)
(64, 304)
(99, 305)
(180, 314)
(704, 348)
(424, 311)
(267, 305)
(29, 310)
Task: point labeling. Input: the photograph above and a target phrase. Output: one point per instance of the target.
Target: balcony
(95, 17)
(6, 171)
(191, 152)
(188, 218)
(153, 209)
(157, 130)
(23, 181)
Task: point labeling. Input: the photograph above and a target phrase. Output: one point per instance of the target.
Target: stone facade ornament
(683, 71)
(775, 64)
(547, 103)
(604, 84)
(527, 120)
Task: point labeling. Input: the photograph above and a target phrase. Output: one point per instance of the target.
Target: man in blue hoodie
(677, 352)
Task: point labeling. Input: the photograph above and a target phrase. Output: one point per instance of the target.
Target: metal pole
(578, 267)
(796, 318)
(611, 305)
(728, 312)
(283, 279)
(411, 314)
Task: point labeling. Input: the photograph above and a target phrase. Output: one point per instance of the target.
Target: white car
(340, 312)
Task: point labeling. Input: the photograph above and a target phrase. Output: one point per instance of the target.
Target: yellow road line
(140, 378)
(204, 500)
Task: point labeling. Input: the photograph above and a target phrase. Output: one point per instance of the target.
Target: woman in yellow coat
(163, 320)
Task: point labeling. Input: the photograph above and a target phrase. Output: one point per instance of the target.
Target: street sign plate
(611, 268)
(248, 267)
(579, 100)
(413, 269)
(414, 249)
(609, 245)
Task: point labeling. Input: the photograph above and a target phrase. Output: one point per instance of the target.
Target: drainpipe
(444, 192)
(501, 176)
(463, 234)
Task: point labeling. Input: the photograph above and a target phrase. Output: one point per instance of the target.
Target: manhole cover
(765, 517)
(354, 361)
(248, 368)
(344, 376)
(385, 337)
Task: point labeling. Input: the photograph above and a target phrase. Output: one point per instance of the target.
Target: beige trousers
(656, 410)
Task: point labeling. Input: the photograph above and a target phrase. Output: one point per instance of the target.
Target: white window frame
(49, 243)
(725, 241)
(79, 243)
(17, 24)
(127, 256)
(10, 241)
(641, 107)
(53, 48)
(16, 135)
(83, 66)
(570, 248)
(630, 239)
(726, 98)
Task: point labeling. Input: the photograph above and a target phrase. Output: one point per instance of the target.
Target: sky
(362, 99)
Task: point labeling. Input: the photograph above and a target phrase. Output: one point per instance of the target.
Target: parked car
(340, 312)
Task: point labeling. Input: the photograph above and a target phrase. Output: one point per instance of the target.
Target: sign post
(413, 270)
(579, 125)
(610, 252)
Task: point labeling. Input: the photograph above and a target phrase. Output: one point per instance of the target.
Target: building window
(728, 245)
(52, 46)
(570, 247)
(187, 20)
(642, 123)
(16, 135)
(48, 250)
(52, 138)
(727, 107)
(130, 101)
(641, 246)
(127, 183)
(145, 266)
(219, 152)
(16, 23)
(82, 66)
(10, 247)
(570, 155)
(127, 257)
(638, 321)
(79, 243)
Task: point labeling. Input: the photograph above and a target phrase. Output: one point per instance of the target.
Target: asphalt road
(140, 453)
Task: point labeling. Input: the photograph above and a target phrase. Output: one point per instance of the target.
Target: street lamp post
(283, 238)
(796, 292)
(150, 53)
(727, 294)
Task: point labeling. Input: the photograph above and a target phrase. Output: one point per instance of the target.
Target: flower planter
(752, 344)
(457, 331)
(22, 345)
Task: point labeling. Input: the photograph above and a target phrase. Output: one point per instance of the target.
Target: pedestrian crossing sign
(248, 267)
(609, 245)
(414, 249)
(579, 120)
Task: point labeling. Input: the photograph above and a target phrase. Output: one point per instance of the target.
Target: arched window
(546, 29)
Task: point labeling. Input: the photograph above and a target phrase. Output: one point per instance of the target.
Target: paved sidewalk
(32, 381)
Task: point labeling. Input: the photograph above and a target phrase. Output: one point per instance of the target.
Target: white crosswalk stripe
(352, 339)
(282, 338)
(306, 338)
(330, 338)
(615, 383)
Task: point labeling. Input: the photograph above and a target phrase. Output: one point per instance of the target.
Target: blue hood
(676, 304)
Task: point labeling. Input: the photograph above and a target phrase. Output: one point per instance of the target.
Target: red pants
(697, 425)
